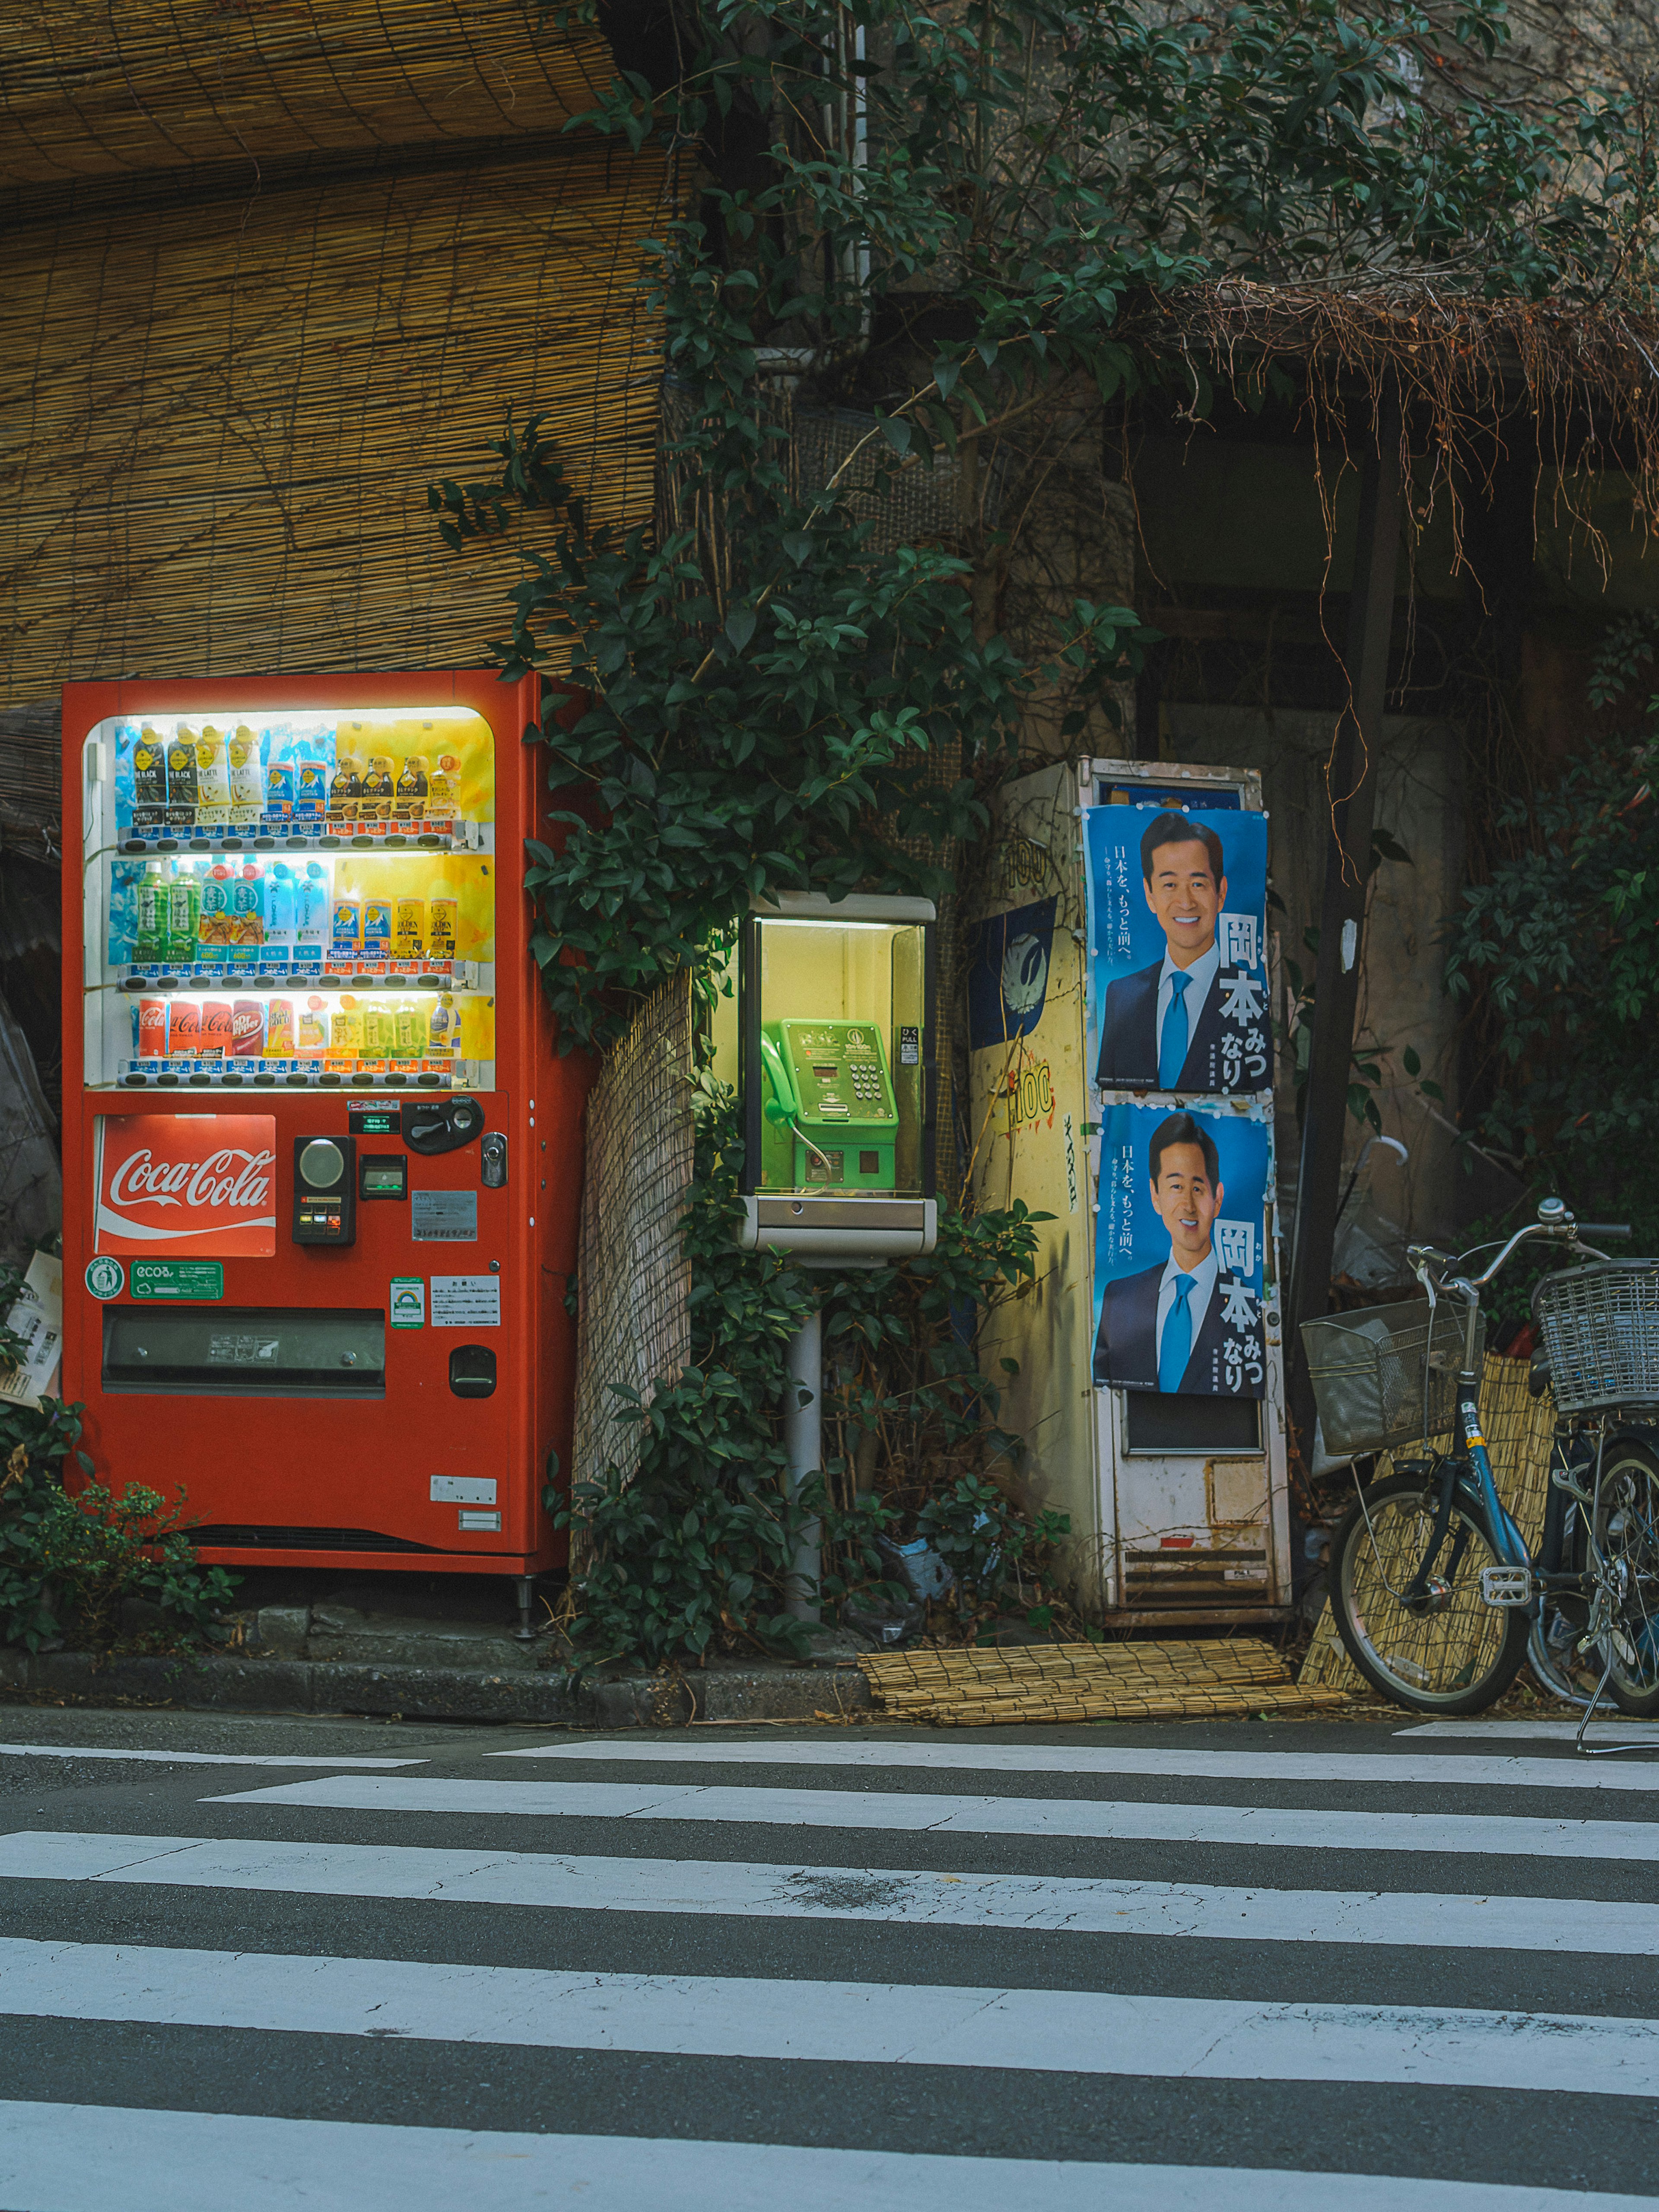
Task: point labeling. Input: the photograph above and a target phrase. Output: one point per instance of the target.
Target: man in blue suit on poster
(1163, 1028)
(1163, 1329)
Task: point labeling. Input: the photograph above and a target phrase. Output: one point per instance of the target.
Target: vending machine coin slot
(431, 1126)
(324, 1190)
(473, 1372)
(493, 1174)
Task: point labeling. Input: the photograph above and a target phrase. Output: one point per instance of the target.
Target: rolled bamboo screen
(218, 419)
(90, 90)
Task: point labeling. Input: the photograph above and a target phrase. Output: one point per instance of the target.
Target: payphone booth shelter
(321, 1160)
(1121, 1062)
(837, 1075)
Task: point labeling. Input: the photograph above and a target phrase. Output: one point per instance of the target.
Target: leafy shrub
(69, 1561)
(999, 1558)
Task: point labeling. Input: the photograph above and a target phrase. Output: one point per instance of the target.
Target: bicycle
(1434, 1592)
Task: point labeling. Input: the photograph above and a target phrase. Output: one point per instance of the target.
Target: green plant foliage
(69, 1561)
(1000, 1560)
(694, 1552)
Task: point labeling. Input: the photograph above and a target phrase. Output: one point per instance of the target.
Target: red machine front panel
(346, 1344)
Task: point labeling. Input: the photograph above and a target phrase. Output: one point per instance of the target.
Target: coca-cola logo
(227, 1178)
(187, 1184)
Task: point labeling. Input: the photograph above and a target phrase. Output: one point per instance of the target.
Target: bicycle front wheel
(1627, 1523)
(1446, 1652)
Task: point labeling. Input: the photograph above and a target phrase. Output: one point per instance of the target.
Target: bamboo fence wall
(90, 90)
(218, 416)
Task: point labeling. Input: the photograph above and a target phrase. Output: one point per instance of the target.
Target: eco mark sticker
(201, 1281)
(408, 1302)
(105, 1278)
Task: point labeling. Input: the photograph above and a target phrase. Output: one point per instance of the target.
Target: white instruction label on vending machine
(466, 1302)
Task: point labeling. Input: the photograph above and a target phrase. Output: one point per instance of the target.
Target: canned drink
(184, 1030)
(152, 1029)
(215, 1028)
(248, 1029)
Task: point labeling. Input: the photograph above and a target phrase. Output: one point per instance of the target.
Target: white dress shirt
(1198, 1298)
(1200, 976)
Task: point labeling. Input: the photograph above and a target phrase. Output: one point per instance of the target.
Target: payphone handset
(832, 1095)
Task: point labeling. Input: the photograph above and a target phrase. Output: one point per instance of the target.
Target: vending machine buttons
(324, 1190)
(493, 1174)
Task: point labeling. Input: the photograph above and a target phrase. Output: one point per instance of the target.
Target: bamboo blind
(1152, 1681)
(98, 89)
(218, 420)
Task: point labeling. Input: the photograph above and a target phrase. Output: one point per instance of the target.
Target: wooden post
(1351, 788)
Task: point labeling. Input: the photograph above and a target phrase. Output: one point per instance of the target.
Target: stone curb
(213, 1683)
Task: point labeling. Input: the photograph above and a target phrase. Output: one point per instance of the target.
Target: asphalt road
(258, 1962)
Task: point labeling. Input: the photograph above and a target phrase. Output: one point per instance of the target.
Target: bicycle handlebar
(1557, 1226)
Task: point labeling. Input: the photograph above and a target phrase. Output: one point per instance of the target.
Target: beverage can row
(273, 1029)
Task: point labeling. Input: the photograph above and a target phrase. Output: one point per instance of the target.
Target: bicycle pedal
(1506, 1586)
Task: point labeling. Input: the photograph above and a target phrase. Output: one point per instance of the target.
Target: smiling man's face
(1188, 1200)
(1184, 895)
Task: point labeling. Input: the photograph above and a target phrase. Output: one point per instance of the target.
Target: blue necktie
(1172, 1047)
(1176, 1348)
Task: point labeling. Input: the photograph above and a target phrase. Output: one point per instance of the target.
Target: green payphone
(831, 1117)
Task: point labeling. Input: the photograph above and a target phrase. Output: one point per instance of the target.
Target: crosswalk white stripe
(1045, 2030)
(1443, 1770)
(918, 1812)
(83, 2158)
(187, 1757)
(1033, 1902)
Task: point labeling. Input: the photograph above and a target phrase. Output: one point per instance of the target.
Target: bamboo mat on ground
(1152, 1681)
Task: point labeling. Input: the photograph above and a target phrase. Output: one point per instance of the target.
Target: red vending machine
(321, 1160)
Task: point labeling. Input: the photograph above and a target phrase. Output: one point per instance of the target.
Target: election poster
(1179, 1258)
(1177, 912)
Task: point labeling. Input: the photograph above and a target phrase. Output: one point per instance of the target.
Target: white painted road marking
(1638, 1734)
(1442, 1770)
(816, 1893)
(918, 1812)
(869, 2023)
(187, 1757)
(84, 2158)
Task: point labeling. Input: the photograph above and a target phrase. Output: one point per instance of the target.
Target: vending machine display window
(292, 898)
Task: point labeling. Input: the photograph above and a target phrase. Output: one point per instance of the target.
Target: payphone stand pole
(802, 1433)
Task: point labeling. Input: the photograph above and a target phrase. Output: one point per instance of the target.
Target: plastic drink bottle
(152, 1029)
(441, 1027)
(279, 774)
(377, 928)
(151, 934)
(213, 920)
(126, 736)
(345, 1032)
(247, 789)
(247, 915)
(215, 1028)
(409, 928)
(314, 773)
(279, 1030)
(411, 1033)
(345, 790)
(149, 780)
(443, 790)
(212, 780)
(313, 1027)
(412, 788)
(346, 940)
(313, 905)
(184, 918)
(440, 928)
(378, 789)
(248, 1029)
(281, 902)
(181, 778)
(184, 1030)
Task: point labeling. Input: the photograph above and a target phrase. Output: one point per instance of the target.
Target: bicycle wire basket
(1388, 1375)
(1601, 1329)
